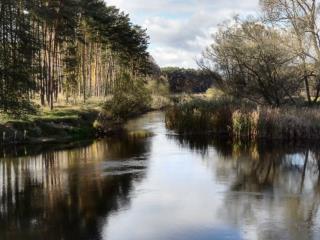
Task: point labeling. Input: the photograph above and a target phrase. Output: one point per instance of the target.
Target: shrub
(159, 88)
(129, 99)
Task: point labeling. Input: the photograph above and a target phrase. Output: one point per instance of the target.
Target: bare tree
(254, 63)
(301, 18)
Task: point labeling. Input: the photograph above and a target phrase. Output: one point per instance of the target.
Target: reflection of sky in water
(179, 200)
(161, 187)
(182, 199)
(295, 159)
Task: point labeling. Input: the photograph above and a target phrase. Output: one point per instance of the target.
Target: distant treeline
(69, 48)
(188, 80)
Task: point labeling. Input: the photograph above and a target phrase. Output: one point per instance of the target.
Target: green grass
(63, 122)
(60, 112)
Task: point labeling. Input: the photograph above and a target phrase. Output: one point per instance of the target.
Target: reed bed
(243, 120)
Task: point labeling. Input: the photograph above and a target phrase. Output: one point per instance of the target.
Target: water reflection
(273, 189)
(261, 167)
(67, 194)
(153, 184)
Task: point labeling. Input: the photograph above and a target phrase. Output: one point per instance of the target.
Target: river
(160, 186)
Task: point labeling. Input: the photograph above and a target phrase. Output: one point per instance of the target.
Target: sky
(180, 30)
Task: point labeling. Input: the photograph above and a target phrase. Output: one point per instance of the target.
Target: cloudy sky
(181, 29)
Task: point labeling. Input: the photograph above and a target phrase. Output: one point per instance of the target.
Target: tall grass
(289, 123)
(244, 121)
(199, 116)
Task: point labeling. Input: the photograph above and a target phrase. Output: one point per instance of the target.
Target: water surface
(160, 186)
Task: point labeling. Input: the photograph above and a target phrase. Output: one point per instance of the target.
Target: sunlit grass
(62, 110)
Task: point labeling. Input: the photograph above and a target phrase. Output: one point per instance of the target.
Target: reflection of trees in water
(67, 194)
(274, 188)
(202, 143)
(261, 166)
(278, 192)
(19, 150)
(288, 168)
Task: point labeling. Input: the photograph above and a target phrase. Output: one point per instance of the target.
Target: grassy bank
(231, 118)
(67, 123)
(63, 124)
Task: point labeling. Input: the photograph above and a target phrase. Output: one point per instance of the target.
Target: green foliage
(17, 49)
(70, 48)
(159, 89)
(158, 86)
(130, 98)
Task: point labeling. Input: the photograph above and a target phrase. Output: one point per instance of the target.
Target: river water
(160, 186)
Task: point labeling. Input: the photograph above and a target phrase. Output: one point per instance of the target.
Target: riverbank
(244, 121)
(69, 123)
(93, 189)
(63, 124)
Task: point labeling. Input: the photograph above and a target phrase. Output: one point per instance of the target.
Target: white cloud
(181, 29)
(169, 56)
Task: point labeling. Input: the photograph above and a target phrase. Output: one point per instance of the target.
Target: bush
(159, 88)
(20, 109)
(129, 99)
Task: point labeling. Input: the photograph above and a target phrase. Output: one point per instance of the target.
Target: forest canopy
(70, 49)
